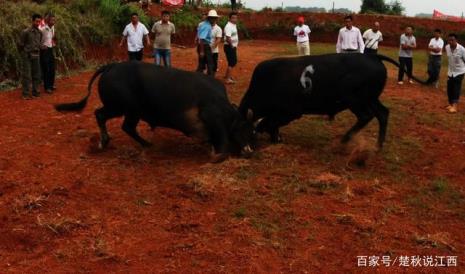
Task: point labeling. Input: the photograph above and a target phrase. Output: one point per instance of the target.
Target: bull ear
(249, 115)
(235, 107)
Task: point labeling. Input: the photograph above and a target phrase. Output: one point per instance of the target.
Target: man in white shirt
(435, 46)
(134, 33)
(301, 31)
(350, 38)
(408, 43)
(372, 38)
(217, 34)
(47, 55)
(231, 40)
(456, 56)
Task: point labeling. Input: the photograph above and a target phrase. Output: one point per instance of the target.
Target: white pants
(303, 48)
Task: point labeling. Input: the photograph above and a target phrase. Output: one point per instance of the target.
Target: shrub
(78, 23)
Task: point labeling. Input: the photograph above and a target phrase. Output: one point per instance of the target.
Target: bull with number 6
(284, 89)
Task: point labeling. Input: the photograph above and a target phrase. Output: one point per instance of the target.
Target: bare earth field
(303, 206)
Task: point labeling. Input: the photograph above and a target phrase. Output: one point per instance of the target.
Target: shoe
(436, 85)
(453, 109)
(36, 94)
(49, 91)
(230, 81)
(448, 107)
(400, 82)
(27, 97)
(410, 81)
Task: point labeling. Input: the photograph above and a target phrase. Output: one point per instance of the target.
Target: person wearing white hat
(204, 35)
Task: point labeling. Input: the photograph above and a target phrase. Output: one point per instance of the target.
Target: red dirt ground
(301, 206)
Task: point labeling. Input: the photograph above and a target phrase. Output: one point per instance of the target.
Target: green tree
(374, 6)
(396, 8)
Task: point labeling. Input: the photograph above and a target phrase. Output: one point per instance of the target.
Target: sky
(413, 7)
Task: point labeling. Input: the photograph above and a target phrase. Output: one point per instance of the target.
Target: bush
(15, 17)
(78, 23)
(186, 18)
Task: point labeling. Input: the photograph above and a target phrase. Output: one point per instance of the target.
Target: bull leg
(266, 125)
(102, 115)
(219, 138)
(382, 115)
(130, 127)
(364, 116)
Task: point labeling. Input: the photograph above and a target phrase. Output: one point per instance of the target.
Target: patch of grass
(60, 225)
(440, 192)
(440, 185)
(244, 173)
(143, 202)
(442, 121)
(398, 153)
(240, 213)
(310, 132)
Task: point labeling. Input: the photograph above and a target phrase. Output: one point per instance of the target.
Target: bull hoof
(277, 139)
(146, 145)
(103, 143)
(218, 158)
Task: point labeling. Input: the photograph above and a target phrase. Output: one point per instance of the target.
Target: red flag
(173, 3)
(439, 15)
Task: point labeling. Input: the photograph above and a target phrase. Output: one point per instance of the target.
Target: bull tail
(82, 103)
(395, 63)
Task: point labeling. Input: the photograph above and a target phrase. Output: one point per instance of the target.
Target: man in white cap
(204, 35)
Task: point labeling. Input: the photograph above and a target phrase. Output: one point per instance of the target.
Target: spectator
(435, 46)
(47, 55)
(134, 33)
(303, 41)
(145, 4)
(407, 44)
(196, 41)
(204, 34)
(350, 38)
(372, 38)
(163, 31)
(217, 34)
(29, 46)
(231, 40)
(456, 57)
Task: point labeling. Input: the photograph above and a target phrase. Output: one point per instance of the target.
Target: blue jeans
(164, 54)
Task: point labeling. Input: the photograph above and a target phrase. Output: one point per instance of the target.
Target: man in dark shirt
(29, 46)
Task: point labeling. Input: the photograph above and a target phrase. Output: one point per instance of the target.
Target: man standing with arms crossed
(372, 38)
(407, 44)
(303, 41)
(29, 46)
(134, 33)
(231, 40)
(456, 56)
(47, 55)
(435, 46)
(350, 38)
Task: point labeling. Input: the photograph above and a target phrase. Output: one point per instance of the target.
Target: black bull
(189, 102)
(283, 89)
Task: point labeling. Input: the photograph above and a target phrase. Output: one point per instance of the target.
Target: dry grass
(60, 225)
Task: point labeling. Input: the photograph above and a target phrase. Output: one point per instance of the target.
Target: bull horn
(257, 122)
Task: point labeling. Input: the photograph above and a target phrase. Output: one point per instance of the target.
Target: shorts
(231, 55)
